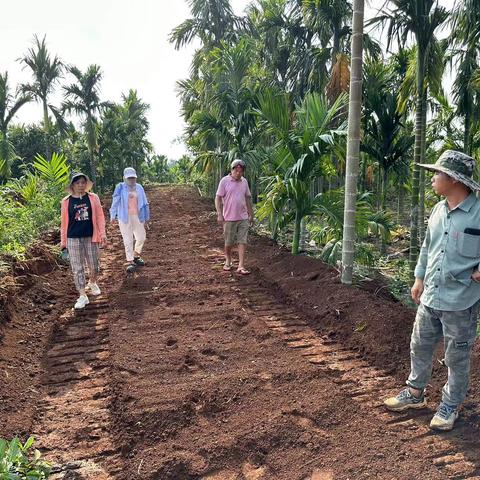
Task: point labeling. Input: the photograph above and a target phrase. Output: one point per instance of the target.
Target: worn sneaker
(131, 268)
(94, 288)
(139, 261)
(445, 417)
(405, 400)
(81, 302)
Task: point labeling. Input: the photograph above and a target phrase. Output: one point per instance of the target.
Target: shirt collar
(466, 205)
(233, 180)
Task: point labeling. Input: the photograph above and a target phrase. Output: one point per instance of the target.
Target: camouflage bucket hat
(455, 164)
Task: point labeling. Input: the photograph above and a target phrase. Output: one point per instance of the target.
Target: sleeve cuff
(420, 272)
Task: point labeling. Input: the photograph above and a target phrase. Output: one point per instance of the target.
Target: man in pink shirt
(236, 213)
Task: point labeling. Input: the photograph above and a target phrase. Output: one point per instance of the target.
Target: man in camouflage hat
(447, 290)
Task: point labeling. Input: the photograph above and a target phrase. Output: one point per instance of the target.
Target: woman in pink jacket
(82, 231)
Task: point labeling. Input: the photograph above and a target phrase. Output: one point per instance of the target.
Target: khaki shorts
(235, 232)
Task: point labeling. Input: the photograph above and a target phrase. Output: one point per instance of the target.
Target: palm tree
(420, 18)
(46, 72)
(385, 137)
(211, 22)
(465, 39)
(303, 142)
(83, 98)
(9, 106)
(353, 143)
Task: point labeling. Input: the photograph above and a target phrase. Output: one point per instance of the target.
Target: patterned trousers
(83, 251)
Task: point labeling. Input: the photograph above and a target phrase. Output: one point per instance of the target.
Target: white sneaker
(81, 302)
(94, 289)
(445, 418)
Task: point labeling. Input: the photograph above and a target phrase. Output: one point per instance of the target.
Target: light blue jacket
(119, 208)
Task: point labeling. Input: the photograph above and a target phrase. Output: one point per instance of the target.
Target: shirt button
(446, 233)
(442, 251)
(436, 286)
(438, 269)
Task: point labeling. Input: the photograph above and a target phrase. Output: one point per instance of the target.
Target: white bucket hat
(129, 172)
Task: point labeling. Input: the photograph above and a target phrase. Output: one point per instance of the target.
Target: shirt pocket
(468, 245)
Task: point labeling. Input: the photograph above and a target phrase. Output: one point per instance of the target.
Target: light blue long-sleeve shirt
(119, 208)
(449, 256)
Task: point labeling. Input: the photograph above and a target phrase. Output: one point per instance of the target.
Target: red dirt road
(182, 371)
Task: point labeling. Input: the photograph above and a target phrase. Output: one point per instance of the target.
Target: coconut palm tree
(353, 143)
(83, 98)
(10, 104)
(46, 72)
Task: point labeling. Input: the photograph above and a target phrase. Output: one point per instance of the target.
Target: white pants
(134, 229)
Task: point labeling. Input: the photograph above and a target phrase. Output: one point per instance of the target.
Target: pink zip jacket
(98, 219)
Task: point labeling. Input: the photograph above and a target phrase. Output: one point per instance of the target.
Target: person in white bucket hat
(130, 207)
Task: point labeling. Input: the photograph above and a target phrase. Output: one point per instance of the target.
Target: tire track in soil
(367, 385)
(73, 418)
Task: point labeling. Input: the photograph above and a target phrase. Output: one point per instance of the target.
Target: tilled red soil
(183, 371)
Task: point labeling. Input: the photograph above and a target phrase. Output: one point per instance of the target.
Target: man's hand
(103, 241)
(417, 290)
(113, 220)
(476, 276)
(220, 219)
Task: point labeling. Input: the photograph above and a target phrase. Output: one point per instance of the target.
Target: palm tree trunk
(466, 134)
(419, 134)
(353, 143)
(421, 197)
(400, 204)
(296, 232)
(384, 188)
(91, 149)
(46, 127)
(303, 235)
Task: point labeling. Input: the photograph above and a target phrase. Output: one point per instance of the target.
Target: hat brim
(131, 176)
(89, 186)
(460, 177)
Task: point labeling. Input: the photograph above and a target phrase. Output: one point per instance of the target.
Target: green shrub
(19, 462)
(31, 205)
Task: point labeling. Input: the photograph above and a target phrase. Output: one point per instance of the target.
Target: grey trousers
(459, 330)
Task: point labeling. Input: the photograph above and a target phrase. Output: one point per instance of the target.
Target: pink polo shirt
(234, 195)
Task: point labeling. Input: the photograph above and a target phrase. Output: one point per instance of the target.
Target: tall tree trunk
(467, 148)
(46, 127)
(90, 131)
(384, 188)
(401, 203)
(353, 143)
(421, 195)
(414, 244)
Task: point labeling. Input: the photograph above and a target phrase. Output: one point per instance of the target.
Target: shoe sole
(410, 406)
(441, 429)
